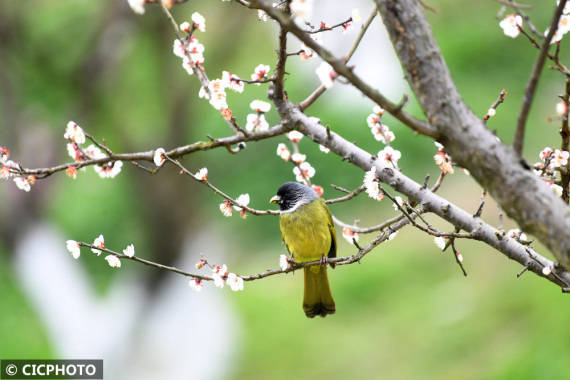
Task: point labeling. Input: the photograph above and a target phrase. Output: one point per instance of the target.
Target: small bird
(308, 232)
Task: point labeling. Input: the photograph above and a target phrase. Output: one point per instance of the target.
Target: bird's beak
(275, 199)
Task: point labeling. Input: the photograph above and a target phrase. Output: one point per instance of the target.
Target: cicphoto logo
(51, 369)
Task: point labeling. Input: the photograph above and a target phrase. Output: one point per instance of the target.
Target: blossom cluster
(74, 248)
(388, 156)
(220, 275)
(8, 169)
(511, 25)
(303, 170)
(256, 121)
(563, 24)
(227, 209)
(380, 131)
(75, 136)
(443, 160)
(552, 162)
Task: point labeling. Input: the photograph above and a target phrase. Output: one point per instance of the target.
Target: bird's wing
(332, 251)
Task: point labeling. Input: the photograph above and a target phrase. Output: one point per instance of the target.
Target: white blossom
(235, 282)
(113, 261)
(73, 248)
(100, 243)
(129, 251)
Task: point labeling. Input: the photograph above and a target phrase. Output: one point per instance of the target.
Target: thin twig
(533, 81)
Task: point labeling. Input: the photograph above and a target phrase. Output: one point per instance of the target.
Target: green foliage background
(404, 312)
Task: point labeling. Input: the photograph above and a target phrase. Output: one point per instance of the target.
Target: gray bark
(293, 118)
(523, 195)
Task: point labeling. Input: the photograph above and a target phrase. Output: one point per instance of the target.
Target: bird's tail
(317, 298)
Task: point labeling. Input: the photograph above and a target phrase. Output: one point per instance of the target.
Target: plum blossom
(371, 185)
(74, 133)
(232, 82)
(200, 264)
(71, 171)
(440, 242)
(94, 152)
(242, 200)
(113, 261)
(226, 208)
(73, 248)
(294, 136)
(199, 21)
(283, 152)
(515, 233)
(260, 106)
(137, 6)
(99, 242)
(185, 27)
(443, 160)
(305, 170)
(355, 19)
(547, 270)
(219, 274)
(129, 251)
(5, 172)
(459, 256)
(284, 262)
(260, 72)
(349, 235)
(196, 51)
(256, 122)
(302, 9)
(399, 202)
(326, 74)
(178, 48)
(559, 158)
(561, 108)
(202, 175)
(378, 110)
(262, 16)
(235, 282)
(545, 153)
(195, 284)
(355, 15)
(4, 154)
(109, 170)
(318, 189)
(382, 133)
(510, 25)
(159, 156)
(298, 158)
(390, 156)
(23, 183)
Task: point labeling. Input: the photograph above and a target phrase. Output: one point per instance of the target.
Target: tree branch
(419, 194)
(341, 68)
(495, 166)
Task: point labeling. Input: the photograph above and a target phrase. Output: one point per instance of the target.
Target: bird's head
(292, 195)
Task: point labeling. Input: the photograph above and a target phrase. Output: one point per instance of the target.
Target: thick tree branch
(417, 193)
(497, 168)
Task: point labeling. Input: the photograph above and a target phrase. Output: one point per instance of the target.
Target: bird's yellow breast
(306, 231)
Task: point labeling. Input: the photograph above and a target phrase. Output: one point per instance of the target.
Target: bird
(309, 234)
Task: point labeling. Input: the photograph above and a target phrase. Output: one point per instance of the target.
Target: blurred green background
(405, 312)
